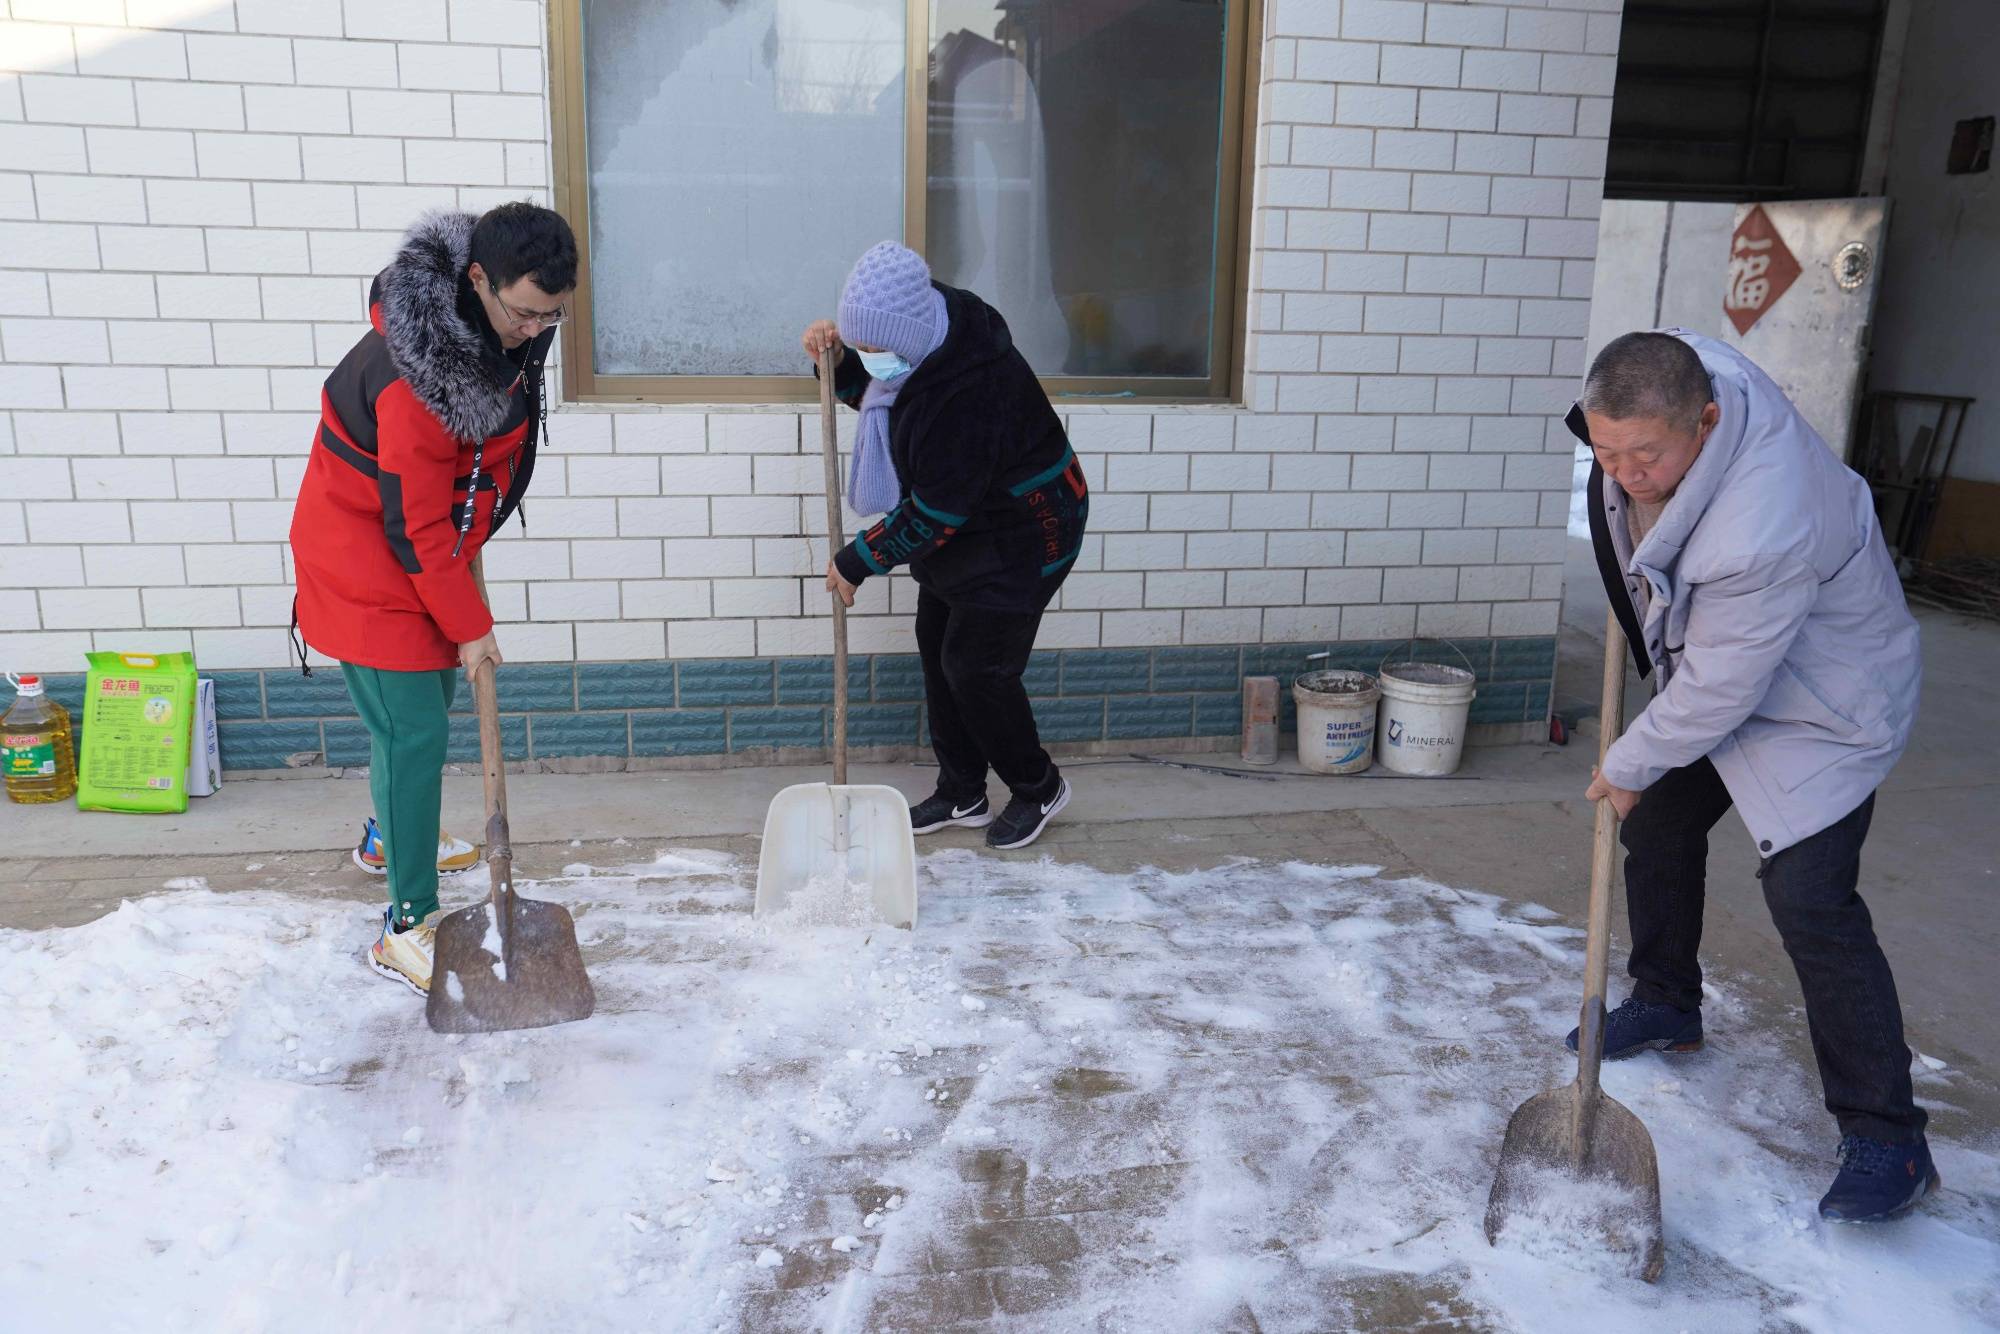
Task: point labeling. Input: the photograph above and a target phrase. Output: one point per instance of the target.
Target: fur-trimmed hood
(448, 364)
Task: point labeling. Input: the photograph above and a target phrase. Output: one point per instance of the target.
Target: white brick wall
(194, 195)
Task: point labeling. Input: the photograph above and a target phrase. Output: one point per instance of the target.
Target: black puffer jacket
(993, 498)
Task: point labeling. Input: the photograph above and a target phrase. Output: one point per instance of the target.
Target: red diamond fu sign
(1761, 268)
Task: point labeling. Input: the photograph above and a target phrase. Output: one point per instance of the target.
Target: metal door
(1800, 297)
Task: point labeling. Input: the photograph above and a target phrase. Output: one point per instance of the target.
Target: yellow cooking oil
(37, 749)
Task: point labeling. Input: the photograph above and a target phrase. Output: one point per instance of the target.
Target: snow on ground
(1069, 1099)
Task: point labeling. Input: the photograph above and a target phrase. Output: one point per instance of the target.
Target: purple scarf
(872, 487)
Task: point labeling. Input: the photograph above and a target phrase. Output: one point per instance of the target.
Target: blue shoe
(368, 853)
(1638, 1026)
(1879, 1180)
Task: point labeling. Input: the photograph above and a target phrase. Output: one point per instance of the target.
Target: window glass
(741, 154)
(1074, 150)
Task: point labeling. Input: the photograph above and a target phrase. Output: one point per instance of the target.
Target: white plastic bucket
(1336, 721)
(1421, 730)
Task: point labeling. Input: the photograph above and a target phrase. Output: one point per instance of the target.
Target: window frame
(570, 162)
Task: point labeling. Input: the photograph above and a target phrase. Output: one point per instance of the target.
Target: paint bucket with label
(1336, 721)
(1421, 730)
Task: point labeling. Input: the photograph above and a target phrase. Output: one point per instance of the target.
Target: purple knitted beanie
(889, 302)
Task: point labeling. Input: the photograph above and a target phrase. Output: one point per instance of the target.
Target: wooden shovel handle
(492, 755)
(829, 439)
(1603, 866)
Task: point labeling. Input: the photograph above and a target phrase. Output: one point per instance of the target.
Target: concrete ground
(1511, 823)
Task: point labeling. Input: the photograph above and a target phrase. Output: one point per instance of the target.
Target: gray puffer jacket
(1785, 652)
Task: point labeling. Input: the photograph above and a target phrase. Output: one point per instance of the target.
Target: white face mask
(883, 365)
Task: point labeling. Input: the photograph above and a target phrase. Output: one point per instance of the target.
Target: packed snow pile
(1585, 1222)
(1265, 1096)
(826, 900)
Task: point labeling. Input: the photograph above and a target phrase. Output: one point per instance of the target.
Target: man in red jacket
(426, 444)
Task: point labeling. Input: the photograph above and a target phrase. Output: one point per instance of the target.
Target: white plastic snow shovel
(832, 835)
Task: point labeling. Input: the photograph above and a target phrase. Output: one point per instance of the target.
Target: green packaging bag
(138, 721)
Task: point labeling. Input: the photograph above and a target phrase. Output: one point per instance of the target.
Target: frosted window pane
(742, 153)
(1073, 175)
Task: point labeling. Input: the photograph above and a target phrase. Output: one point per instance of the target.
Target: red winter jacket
(425, 411)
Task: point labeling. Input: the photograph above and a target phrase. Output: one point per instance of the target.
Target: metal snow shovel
(1579, 1132)
(509, 962)
(837, 833)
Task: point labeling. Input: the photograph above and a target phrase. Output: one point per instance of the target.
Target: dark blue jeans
(1852, 1012)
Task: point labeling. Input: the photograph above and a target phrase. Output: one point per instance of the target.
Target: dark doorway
(1743, 99)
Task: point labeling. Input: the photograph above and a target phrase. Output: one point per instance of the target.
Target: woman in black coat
(982, 497)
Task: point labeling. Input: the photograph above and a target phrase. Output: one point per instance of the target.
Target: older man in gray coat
(1745, 564)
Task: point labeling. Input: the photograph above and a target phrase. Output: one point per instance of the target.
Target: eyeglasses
(548, 319)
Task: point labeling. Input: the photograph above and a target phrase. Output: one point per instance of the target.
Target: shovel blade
(1618, 1169)
(543, 981)
(857, 832)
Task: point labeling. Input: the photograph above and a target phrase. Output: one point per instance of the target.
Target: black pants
(1851, 1006)
(979, 711)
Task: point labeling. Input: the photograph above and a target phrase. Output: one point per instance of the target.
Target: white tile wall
(194, 194)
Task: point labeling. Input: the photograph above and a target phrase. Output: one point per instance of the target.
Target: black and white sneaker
(1023, 821)
(941, 812)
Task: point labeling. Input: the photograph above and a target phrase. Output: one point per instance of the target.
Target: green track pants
(407, 716)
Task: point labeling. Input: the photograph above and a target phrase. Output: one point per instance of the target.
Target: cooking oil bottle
(37, 752)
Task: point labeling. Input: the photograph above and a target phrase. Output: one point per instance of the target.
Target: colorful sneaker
(454, 854)
(405, 956)
(1023, 821)
(940, 812)
(1879, 1180)
(1638, 1026)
